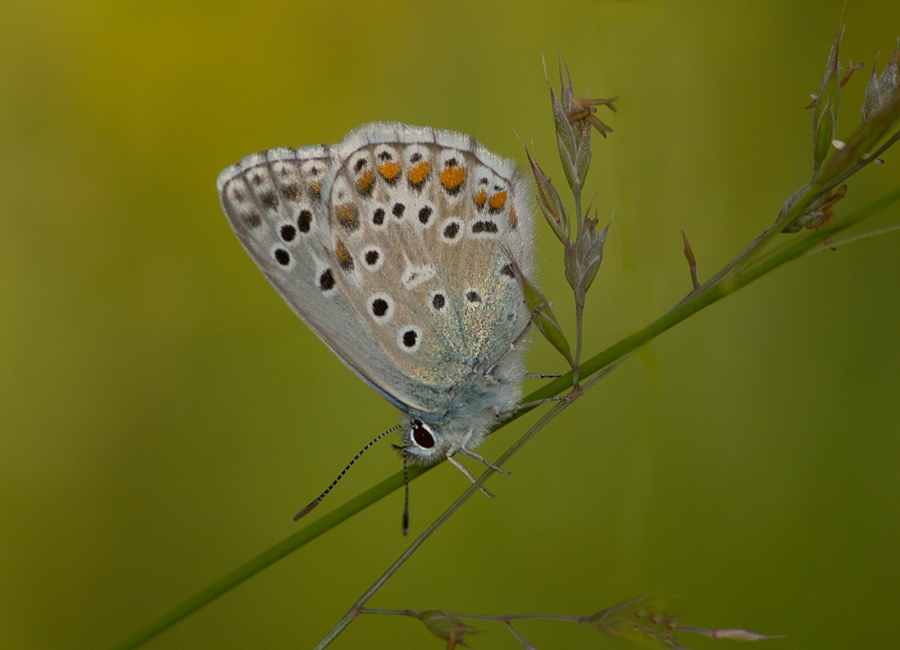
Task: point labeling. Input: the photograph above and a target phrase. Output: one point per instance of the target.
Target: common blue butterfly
(401, 248)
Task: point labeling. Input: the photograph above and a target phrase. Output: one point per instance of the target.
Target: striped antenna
(406, 499)
(318, 499)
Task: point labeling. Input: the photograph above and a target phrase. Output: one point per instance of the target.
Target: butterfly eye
(421, 435)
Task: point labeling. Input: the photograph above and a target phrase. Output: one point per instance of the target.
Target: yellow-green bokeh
(163, 413)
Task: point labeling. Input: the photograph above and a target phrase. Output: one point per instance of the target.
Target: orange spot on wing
(453, 177)
(365, 181)
(343, 256)
(419, 173)
(498, 200)
(513, 218)
(480, 198)
(347, 213)
(389, 170)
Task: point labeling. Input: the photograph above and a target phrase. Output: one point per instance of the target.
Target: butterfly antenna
(318, 499)
(406, 499)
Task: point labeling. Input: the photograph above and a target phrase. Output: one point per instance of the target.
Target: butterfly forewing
(273, 201)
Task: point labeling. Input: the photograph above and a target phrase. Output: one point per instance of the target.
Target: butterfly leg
(462, 468)
(538, 402)
(502, 415)
(477, 456)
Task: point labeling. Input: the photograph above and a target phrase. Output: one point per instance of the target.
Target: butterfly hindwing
(424, 225)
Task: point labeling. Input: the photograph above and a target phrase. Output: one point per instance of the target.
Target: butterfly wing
(273, 201)
(425, 227)
(396, 247)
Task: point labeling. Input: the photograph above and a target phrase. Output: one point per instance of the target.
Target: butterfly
(402, 248)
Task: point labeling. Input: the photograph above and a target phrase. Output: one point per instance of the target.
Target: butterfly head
(425, 443)
(473, 410)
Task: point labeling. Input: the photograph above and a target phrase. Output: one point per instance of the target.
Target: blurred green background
(163, 414)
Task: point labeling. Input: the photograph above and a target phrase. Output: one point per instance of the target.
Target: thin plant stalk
(473, 489)
(748, 266)
(691, 305)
